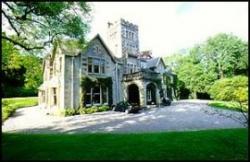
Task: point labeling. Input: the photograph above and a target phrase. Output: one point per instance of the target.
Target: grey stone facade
(134, 79)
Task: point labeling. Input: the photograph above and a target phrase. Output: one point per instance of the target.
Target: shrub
(103, 108)
(91, 110)
(231, 89)
(122, 106)
(70, 112)
(82, 110)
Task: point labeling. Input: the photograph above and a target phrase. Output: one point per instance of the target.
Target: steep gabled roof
(154, 62)
(114, 59)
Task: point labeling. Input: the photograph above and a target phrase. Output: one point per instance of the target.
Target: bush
(231, 89)
(70, 112)
(10, 91)
(82, 111)
(122, 106)
(103, 108)
(91, 110)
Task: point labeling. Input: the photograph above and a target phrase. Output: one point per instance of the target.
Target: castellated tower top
(123, 38)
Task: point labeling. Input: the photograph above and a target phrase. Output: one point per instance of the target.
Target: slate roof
(152, 62)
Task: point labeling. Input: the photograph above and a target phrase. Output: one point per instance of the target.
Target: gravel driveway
(181, 115)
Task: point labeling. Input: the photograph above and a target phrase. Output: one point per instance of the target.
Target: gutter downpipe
(72, 85)
(117, 92)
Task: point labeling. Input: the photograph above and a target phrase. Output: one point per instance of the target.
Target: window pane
(104, 95)
(96, 68)
(88, 90)
(102, 66)
(96, 98)
(90, 65)
(88, 98)
(96, 95)
(103, 69)
(96, 90)
(96, 61)
(90, 68)
(90, 60)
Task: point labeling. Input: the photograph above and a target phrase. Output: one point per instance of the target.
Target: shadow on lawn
(90, 124)
(108, 122)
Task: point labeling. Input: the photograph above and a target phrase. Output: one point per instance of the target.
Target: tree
(38, 24)
(221, 56)
(192, 73)
(33, 75)
(21, 73)
(225, 54)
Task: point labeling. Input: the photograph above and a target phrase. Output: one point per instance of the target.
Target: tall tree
(37, 24)
(226, 54)
(21, 73)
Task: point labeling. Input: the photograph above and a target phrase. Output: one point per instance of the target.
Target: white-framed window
(96, 96)
(90, 65)
(96, 65)
(88, 99)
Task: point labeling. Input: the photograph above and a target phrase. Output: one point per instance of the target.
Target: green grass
(9, 105)
(223, 144)
(228, 105)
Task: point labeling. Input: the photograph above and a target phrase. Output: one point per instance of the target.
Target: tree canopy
(21, 72)
(38, 24)
(221, 56)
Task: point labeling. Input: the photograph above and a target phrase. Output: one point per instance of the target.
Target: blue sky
(184, 7)
(167, 27)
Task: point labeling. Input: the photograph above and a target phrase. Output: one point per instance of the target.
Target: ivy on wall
(88, 82)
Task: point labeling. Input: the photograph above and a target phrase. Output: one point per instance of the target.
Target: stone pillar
(157, 96)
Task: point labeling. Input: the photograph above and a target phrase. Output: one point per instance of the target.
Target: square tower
(123, 38)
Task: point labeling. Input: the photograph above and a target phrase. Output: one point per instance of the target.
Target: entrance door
(133, 94)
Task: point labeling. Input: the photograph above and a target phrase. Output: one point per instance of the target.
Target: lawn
(228, 105)
(223, 144)
(9, 105)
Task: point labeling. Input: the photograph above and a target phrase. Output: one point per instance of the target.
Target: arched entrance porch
(133, 94)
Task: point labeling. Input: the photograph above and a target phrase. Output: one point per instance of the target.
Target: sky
(169, 27)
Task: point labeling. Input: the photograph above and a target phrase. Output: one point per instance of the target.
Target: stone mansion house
(105, 73)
